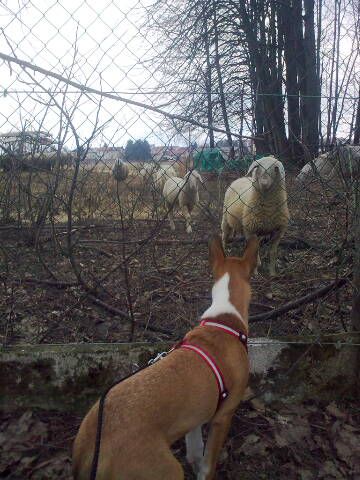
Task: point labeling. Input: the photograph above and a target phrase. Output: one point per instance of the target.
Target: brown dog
(146, 413)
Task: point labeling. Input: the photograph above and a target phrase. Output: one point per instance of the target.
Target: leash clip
(158, 357)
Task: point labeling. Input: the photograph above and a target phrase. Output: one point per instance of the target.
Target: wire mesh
(108, 112)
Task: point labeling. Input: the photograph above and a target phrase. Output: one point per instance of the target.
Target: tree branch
(321, 292)
(24, 65)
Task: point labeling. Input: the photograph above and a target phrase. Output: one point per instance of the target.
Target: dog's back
(144, 411)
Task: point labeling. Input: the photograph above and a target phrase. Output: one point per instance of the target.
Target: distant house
(25, 141)
(169, 153)
(104, 155)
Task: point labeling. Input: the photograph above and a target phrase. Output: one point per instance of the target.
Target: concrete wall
(71, 377)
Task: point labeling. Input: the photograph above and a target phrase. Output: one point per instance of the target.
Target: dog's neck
(222, 310)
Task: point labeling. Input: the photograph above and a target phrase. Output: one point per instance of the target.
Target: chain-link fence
(124, 130)
(101, 110)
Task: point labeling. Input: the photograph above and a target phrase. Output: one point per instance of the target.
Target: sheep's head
(266, 173)
(194, 176)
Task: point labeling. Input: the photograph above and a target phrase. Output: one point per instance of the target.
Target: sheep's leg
(258, 263)
(154, 209)
(274, 243)
(171, 217)
(187, 215)
(225, 230)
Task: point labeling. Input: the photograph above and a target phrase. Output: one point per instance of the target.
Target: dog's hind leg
(218, 432)
(161, 465)
(170, 469)
(194, 448)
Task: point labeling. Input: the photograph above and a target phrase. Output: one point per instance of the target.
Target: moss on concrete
(71, 377)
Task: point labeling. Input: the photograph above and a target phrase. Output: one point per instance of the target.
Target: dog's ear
(250, 256)
(216, 254)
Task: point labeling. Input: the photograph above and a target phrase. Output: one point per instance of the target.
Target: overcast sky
(110, 50)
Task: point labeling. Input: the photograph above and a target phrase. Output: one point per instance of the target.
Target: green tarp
(213, 160)
(209, 160)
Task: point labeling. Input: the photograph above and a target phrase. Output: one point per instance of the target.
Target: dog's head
(239, 266)
(239, 269)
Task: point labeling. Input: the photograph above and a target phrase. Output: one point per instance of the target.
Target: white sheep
(321, 166)
(185, 193)
(343, 162)
(147, 171)
(163, 174)
(120, 171)
(257, 204)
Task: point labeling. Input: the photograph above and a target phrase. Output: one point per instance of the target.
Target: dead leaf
(348, 447)
(329, 471)
(252, 446)
(290, 433)
(333, 410)
(306, 474)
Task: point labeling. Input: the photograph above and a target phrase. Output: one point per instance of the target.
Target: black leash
(100, 421)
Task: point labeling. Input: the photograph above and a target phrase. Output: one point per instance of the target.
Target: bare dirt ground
(169, 278)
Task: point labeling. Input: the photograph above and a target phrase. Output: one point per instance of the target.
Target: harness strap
(240, 335)
(223, 393)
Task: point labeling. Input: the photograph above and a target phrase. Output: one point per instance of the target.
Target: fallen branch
(296, 243)
(51, 283)
(321, 292)
(261, 317)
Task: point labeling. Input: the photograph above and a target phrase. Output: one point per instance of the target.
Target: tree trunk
(269, 104)
(337, 68)
(357, 123)
(286, 27)
(312, 98)
(208, 80)
(221, 85)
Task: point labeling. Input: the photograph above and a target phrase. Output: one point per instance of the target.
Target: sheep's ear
(277, 172)
(280, 170)
(252, 170)
(199, 177)
(216, 254)
(250, 256)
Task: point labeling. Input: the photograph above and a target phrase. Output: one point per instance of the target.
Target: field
(168, 276)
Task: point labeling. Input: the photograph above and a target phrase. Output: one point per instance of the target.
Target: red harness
(223, 392)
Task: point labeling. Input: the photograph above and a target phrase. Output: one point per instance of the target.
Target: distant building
(104, 155)
(26, 141)
(168, 153)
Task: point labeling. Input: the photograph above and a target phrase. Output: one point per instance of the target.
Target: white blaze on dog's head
(231, 292)
(221, 299)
